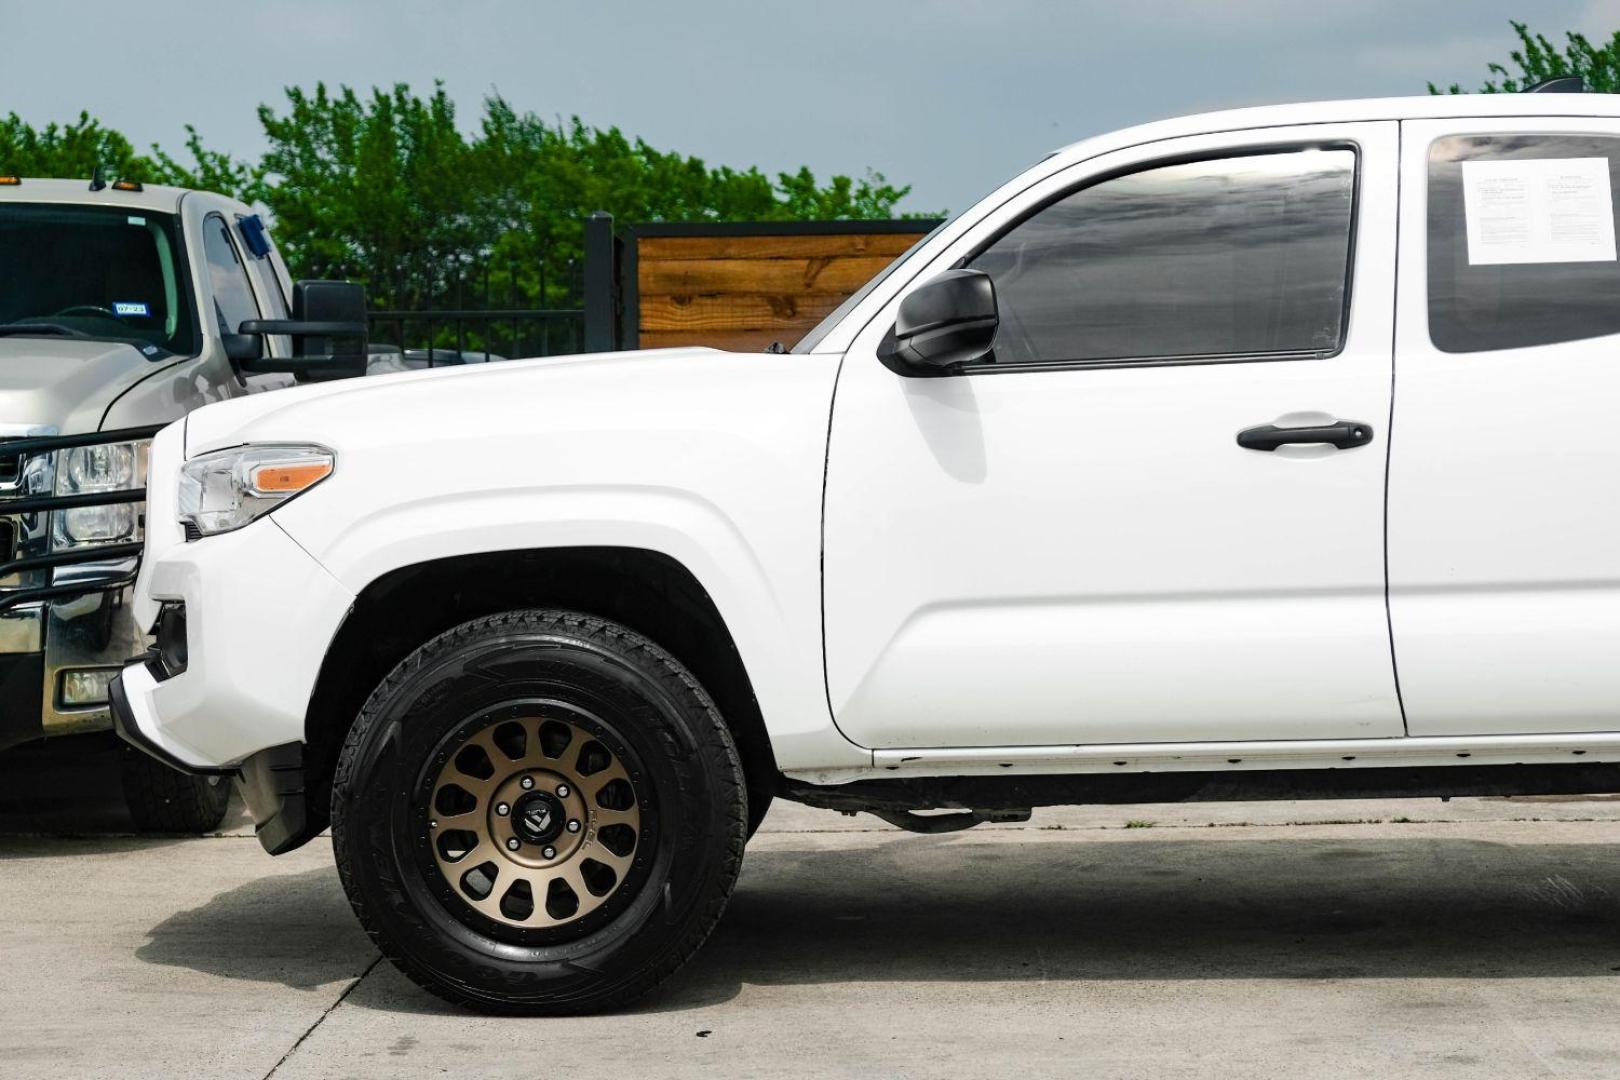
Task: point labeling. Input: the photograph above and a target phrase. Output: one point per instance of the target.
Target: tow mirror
(243, 348)
(328, 329)
(950, 321)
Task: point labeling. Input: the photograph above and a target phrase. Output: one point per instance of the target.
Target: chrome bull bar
(114, 578)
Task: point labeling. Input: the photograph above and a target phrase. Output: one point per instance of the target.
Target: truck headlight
(88, 470)
(229, 488)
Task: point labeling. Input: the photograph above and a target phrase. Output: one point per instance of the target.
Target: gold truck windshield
(96, 273)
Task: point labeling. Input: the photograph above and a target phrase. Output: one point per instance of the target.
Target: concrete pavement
(1466, 940)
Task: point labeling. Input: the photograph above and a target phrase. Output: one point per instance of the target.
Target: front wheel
(539, 812)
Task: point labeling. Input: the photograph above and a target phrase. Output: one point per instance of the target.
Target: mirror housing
(243, 348)
(328, 329)
(947, 322)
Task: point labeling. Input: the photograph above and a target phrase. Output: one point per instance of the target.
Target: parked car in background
(122, 308)
(389, 359)
(1141, 480)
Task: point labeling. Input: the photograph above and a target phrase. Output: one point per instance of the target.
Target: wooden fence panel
(743, 286)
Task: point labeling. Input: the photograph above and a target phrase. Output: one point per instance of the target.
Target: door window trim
(1248, 150)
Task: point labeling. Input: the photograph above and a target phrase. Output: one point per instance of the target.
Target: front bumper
(133, 729)
(271, 781)
(260, 613)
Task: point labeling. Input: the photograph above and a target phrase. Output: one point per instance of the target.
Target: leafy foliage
(73, 149)
(385, 188)
(1538, 59)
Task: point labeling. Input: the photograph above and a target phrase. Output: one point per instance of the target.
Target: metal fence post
(600, 277)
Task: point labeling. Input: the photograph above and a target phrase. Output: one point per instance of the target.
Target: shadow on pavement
(292, 929)
(936, 909)
(71, 787)
(916, 910)
(63, 786)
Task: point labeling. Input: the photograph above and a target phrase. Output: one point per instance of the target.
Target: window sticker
(1548, 211)
(137, 221)
(131, 307)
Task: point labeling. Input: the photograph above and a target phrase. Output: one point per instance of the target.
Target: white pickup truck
(1262, 454)
(121, 307)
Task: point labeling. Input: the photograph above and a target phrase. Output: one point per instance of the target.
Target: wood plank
(799, 277)
(654, 248)
(776, 313)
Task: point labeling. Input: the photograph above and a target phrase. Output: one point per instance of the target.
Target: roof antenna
(1559, 84)
(98, 179)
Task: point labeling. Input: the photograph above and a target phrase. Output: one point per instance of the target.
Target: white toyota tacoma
(1262, 454)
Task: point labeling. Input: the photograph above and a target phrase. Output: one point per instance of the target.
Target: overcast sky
(950, 96)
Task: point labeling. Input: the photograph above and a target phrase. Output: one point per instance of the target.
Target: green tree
(68, 150)
(210, 170)
(1537, 59)
(382, 189)
(386, 189)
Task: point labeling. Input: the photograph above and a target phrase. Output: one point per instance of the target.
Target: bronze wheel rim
(533, 822)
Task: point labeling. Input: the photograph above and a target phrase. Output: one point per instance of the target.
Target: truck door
(1504, 563)
(1068, 544)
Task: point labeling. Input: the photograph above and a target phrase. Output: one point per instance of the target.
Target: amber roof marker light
(10, 181)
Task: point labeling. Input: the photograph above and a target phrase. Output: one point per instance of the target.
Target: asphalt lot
(1388, 939)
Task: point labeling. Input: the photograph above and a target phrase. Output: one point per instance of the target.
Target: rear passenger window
(1539, 267)
(1217, 259)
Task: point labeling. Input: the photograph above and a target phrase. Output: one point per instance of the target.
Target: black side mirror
(243, 348)
(328, 328)
(950, 321)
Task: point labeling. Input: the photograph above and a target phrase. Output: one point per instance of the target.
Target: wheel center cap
(537, 817)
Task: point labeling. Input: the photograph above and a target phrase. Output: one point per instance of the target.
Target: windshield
(91, 272)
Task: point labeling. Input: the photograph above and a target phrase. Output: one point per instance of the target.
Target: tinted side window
(1224, 257)
(233, 296)
(1478, 302)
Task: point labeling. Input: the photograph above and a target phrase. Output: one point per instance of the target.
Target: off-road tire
(660, 717)
(165, 800)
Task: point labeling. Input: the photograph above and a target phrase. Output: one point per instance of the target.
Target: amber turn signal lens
(285, 479)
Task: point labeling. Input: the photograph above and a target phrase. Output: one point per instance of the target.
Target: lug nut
(433, 824)
(526, 783)
(573, 826)
(512, 844)
(550, 852)
(502, 809)
(562, 791)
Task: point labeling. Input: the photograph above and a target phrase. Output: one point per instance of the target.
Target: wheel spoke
(588, 900)
(533, 756)
(605, 817)
(619, 863)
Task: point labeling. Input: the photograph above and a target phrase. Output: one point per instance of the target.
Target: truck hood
(65, 383)
(435, 406)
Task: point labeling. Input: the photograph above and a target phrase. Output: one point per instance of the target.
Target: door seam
(1389, 436)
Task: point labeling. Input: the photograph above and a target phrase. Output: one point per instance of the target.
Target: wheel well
(646, 591)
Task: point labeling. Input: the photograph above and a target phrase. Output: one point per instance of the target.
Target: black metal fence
(481, 313)
(451, 334)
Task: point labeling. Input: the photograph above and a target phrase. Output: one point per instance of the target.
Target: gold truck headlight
(227, 489)
(89, 470)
